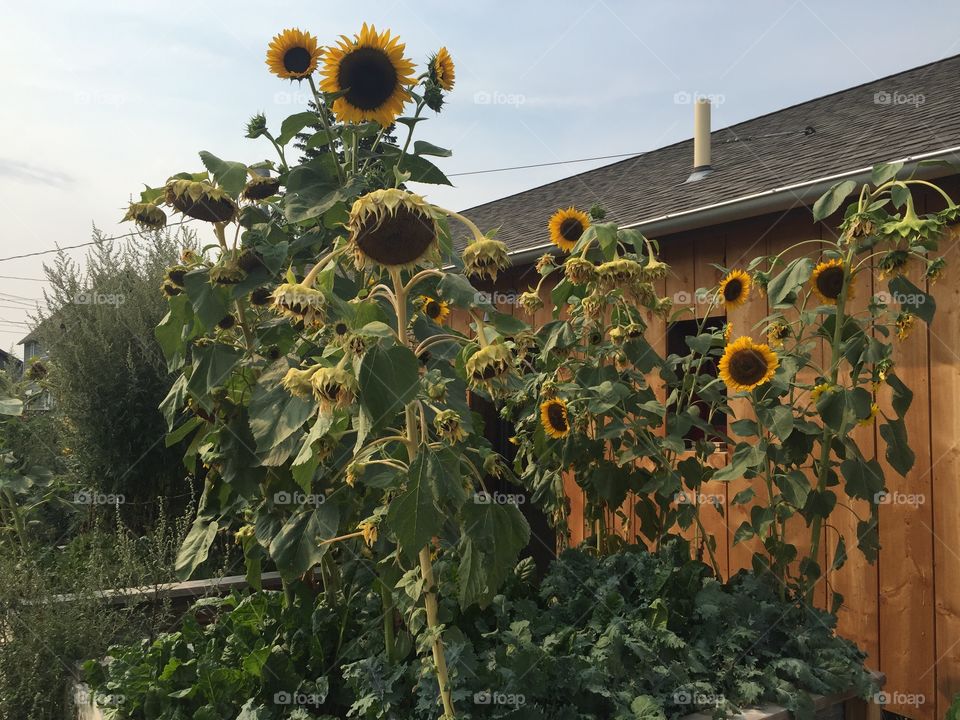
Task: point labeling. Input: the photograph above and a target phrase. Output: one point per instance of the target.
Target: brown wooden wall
(903, 611)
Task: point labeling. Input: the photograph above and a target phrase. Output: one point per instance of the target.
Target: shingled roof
(903, 115)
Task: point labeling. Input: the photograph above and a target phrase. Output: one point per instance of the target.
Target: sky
(99, 97)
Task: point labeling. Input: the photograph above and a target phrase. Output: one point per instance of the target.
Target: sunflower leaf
(294, 124)
(832, 199)
(415, 516)
(422, 147)
(297, 547)
(230, 175)
(388, 380)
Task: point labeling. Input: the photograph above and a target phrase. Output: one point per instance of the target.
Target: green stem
(322, 114)
(389, 639)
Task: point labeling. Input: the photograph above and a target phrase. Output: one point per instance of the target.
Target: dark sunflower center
(341, 329)
(368, 77)
(571, 229)
(432, 309)
(297, 60)
(747, 366)
(557, 417)
(733, 289)
(399, 239)
(329, 391)
(830, 282)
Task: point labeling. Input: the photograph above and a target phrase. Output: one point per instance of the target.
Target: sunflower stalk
(325, 124)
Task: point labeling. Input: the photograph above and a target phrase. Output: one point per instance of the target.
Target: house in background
(751, 195)
(11, 364)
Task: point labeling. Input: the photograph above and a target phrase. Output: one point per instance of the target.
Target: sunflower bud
(256, 126)
(485, 257)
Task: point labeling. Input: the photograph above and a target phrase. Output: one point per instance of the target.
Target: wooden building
(904, 611)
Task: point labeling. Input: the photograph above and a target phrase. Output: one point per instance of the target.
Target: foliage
(626, 636)
(107, 375)
(790, 416)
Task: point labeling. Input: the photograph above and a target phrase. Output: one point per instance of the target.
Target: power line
(86, 244)
(17, 277)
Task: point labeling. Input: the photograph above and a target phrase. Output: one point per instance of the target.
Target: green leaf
(794, 486)
(210, 303)
(11, 406)
(275, 414)
(779, 420)
(493, 536)
(745, 457)
(864, 478)
(212, 366)
(832, 199)
(645, 707)
(230, 175)
(389, 379)
(422, 147)
(415, 516)
(193, 552)
(884, 171)
(297, 547)
(458, 291)
(912, 299)
(793, 276)
(422, 170)
(898, 452)
(173, 332)
(902, 395)
(294, 124)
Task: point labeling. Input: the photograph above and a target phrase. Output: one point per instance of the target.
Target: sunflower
(735, 288)
(146, 215)
(333, 387)
(260, 296)
(619, 273)
(819, 390)
(874, 409)
(579, 271)
(436, 310)
(169, 289)
(442, 70)
(827, 281)
(227, 322)
(566, 227)
(227, 273)
(778, 332)
(489, 363)
(904, 325)
(298, 382)
(530, 301)
(746, 364)
(176, 274)
(200, 200)
(293, 54)
(392, 227)
(370, 74)
(553, 417)
(260, 187)
(485, 257)
(369, 531)
(299, 302)
(449, 426)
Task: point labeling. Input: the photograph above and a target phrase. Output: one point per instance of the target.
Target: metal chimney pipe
(701, 134)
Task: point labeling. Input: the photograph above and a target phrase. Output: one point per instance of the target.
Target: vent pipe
(701, 139)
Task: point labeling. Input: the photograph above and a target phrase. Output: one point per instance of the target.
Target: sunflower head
(485, 257)
(893, 263)
(619, 273)
(530, 301)
(905, 322)
(299, 302)
(868, 420)
(594, 306)
(819, 390)
(371, 76)
(298, 382)
(554, 418)
(392, 227)
(489, 363)
(333, 387)
(935, 269)
(436, 310)
(293, 54)
(227, 273)
(449, 426)
(441, 69)
(746, 364)
(169, 289)
(146, 215)
(369, 531)
(778, 332)
(579, 271)
(199, 199)
(827, 281)
(260, 187)
(735, 288)
(566, 227)
(226, 322)
(175, 275)
(260, 296)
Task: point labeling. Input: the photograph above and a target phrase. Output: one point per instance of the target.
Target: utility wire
(17, 277)
(86, 244)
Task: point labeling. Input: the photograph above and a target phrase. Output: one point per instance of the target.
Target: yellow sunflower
(371, 74)
(874, 409)
(293, 54)
(442, 70)
(819, 390)
(554, 418)
(566, 227)
(827, 281)
(436, 310)
(735, 288)
(392, 227)
(746, 364)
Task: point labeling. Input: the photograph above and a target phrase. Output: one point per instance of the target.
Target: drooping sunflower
(293, 54)
(566, 227)
(484, 258)
(200, 200)
(735, 288)
(146, 215)
(778, 332)
(436, 310)
(746, 364)
(300, 302)
(333, 387)
(827, 281)
(298, 382)
(554, 418)
(442, 69)
(449, 426)
(260, 187)
(489, 363)
(371, 74)
(392, 227)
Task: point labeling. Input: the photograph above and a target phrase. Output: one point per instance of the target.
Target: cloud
(34, 174)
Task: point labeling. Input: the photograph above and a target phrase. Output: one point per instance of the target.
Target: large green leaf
(196, 546)
(174, 330)
(297, 547)
(230, 175)
(832, 199)
(388, 380)
(415, 516)
(212, 366)
(792, 277)
(898, 452)
(275, 414)
(294, 124)
(493, 536)
(864, 477)
(912, 299)
(210, 302)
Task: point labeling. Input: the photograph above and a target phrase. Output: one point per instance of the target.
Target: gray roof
(902, 115)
